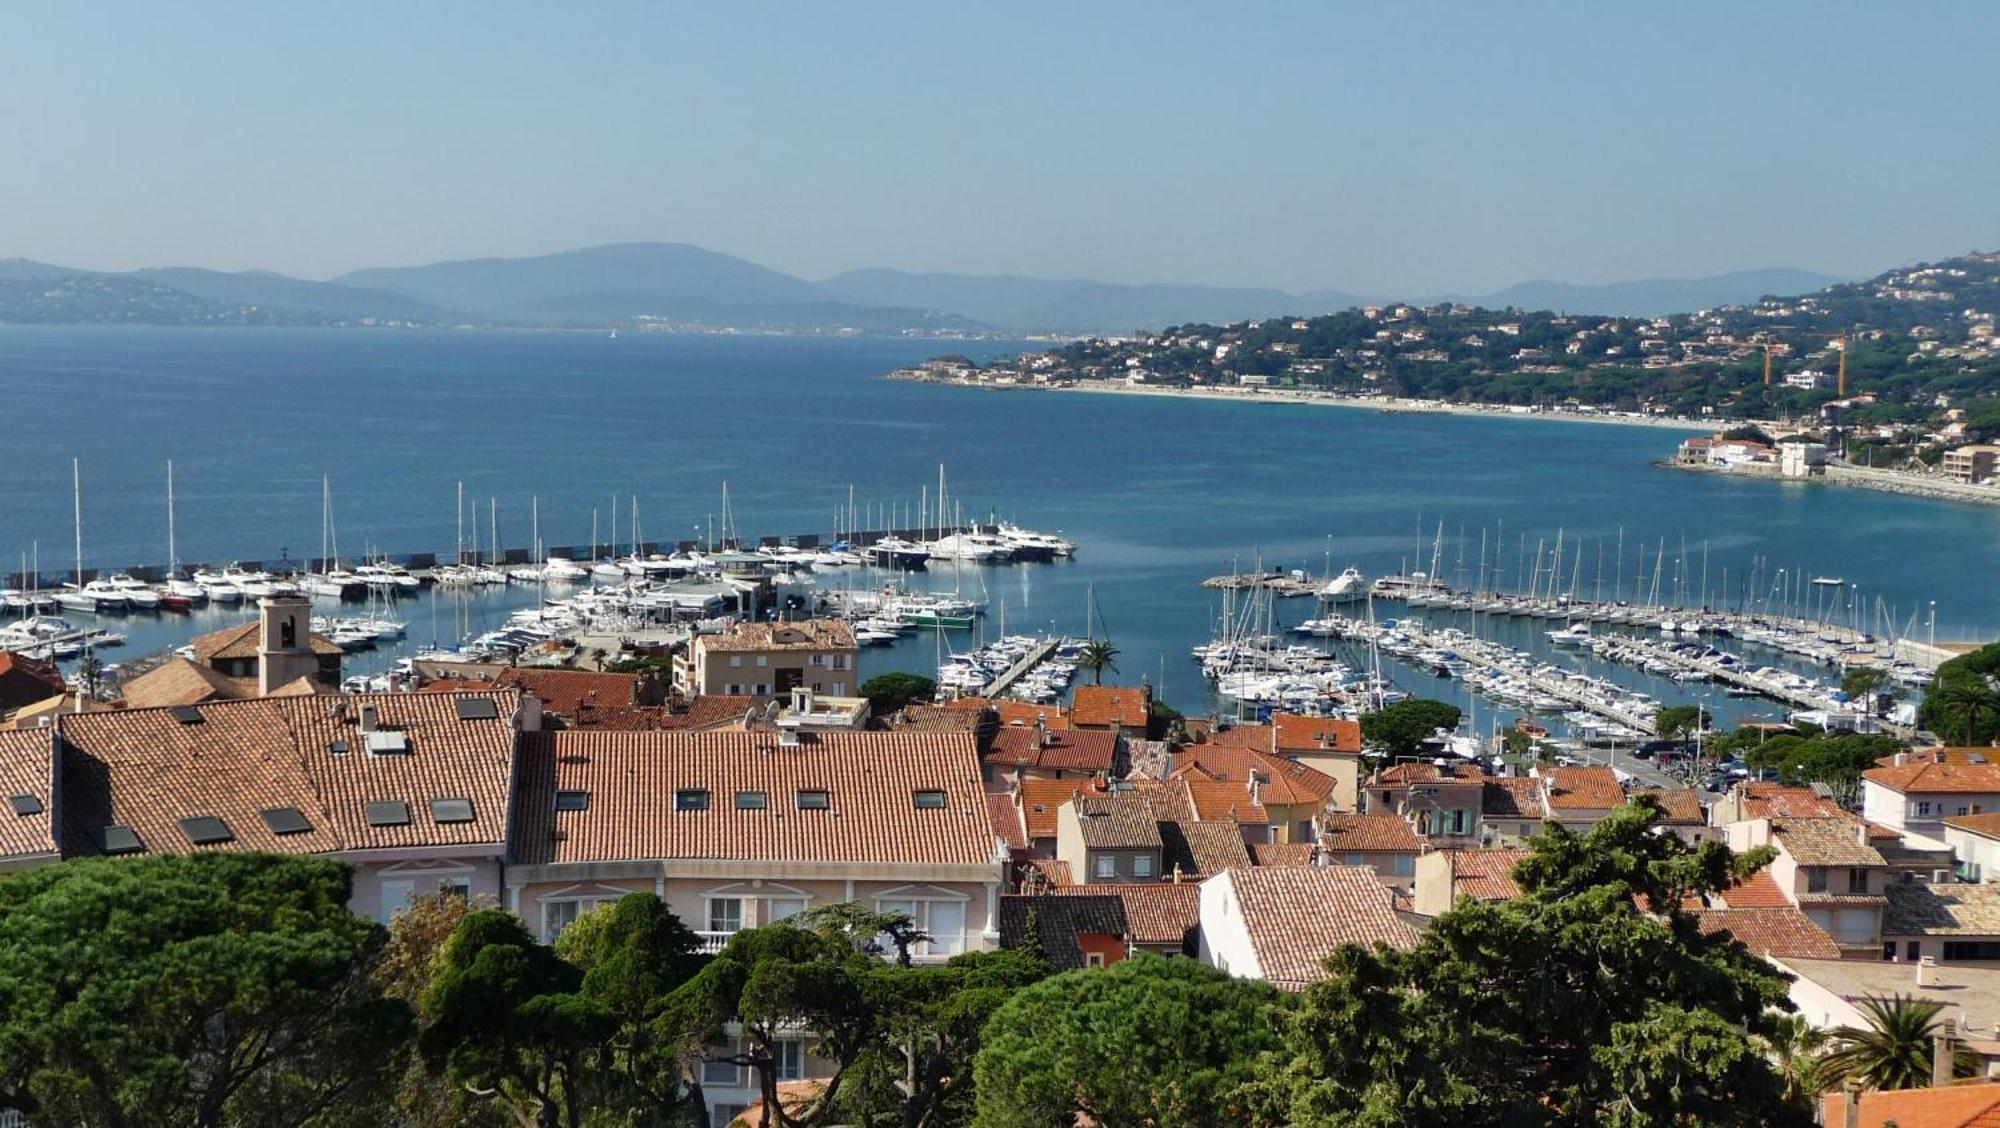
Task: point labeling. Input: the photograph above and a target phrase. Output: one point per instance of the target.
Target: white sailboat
(180, 592)
(96, 595)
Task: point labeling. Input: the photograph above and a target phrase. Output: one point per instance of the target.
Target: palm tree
(1097, 656)
(1969, 701)
(1795, 1047)
(1894, 1050)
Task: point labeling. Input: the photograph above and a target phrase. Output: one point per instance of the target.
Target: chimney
(1850, 1103)
(531, 713)
(1902, 758)
(1927, 971)
(1256, 788)
(1941, 1053)
(788, 738)
(369, 718)
(1861, 833)
(1041, 731)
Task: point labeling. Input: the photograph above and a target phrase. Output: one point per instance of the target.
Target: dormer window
(691, 799)
(814, 800)
(929, 800)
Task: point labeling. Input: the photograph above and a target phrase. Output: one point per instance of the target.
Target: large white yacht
(1348, 587)
(136, 593)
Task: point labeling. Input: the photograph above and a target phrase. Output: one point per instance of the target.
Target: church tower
(284, 641)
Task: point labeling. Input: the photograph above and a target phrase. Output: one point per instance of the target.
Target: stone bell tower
(284, 641)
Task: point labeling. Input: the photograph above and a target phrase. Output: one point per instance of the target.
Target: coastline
(1862, 478)
(1391, 405)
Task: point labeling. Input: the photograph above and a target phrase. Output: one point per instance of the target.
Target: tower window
(288, 633)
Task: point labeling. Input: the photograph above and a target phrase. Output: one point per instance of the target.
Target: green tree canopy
(1893, 1051)
(206, 990)
(887, 693)
(1568, 1005)
(1678, 722)
(1963, 703)
(1097, 656)
(1147, 1041)
(1398, 729)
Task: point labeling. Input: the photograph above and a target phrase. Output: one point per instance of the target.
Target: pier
(1022, 668)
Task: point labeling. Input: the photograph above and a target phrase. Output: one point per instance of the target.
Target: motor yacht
(899, 554)
(1348, 587)
(977, 548)
(141, 596)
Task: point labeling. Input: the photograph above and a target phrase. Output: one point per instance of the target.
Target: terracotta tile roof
(1164, 913)
(1368, 834)
(1041, 797)
(1007, 824)
(1170, 799)
(1316, 734)
(1680, 805)
(575, 694)
(1009, 712)
(1758, 891)
(1419, 772)
(1783, 932)
(1921, 779)
(1579, 789)
(1942, 910)
(711, 711)
(1200, 849)
(870, 778)
(1117, 822)
(1219, 801)
(27, 769)
(1947, 755)
(1284, 782)
(1063, 750)
(178, 681)
(936, 718)
(1259, 738)
(1104, 705)
(1513, 797)
(241, 642)
(1486, 875)
(1282, 853)
(1826, 842)
(1975, 1105)
(1985, 825)
(804, 634)
(25, 681)
(1060, 922)
(1776, 800)
(1054, 871)
(1297, 915)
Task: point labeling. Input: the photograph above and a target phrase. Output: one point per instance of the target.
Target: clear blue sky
(1407, 147)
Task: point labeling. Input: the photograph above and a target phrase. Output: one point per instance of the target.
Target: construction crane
(1841, 388)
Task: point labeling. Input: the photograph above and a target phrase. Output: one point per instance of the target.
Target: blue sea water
(1159, 492)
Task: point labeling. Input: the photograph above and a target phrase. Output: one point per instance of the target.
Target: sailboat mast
(76, 480)
(173, 552)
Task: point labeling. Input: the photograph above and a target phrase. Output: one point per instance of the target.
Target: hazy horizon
(1369, 150)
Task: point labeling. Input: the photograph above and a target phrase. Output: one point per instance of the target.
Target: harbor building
(1972, 464)
(771, 660)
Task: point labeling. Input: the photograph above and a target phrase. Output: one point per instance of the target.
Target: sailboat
(96, 595)
(335, 582)
(178, 592)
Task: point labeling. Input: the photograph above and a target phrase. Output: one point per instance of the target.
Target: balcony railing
(935, 950)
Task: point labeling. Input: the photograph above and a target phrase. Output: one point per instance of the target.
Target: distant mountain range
(683, 286)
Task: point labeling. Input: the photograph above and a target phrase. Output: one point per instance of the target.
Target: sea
(1159, 492)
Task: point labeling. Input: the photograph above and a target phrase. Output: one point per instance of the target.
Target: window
(1353, 860)
(451, 810)
(722, 1073)
(1912, 950)
(1815, 879)
(929, 800)
(783, 908)
(788, 1059)
(395, 898)
(1406, 865)
(459, 887)
(1888, 949)
(1923, 810)
(817, 661)
(735, 690)
(763, 660)
(735, 661)
(1142, 865)
(691, 799)
(725, 915)
(942, 921)
(1963, 809)
(572, 800)
(814, 800)
(749, 800)
(1955, 950)
(1857, 879)
(840, 661)
(558, 915)
(1093, 959)
(1107, 865)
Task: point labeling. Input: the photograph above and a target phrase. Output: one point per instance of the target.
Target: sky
(1417, 148)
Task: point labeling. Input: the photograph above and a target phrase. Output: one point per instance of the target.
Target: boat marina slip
(591, 511)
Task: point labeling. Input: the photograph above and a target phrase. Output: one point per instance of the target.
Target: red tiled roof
(803, 634)
(1972, 1105)
(1316, 734)
(1041, 797)
(1063, 749)
(1758, 891)
(1513, 797)
(1285, 782)
(1007, 824)
(1942, 755)
(1985, 825)
(1418, 772)
(1116, 822)
(1680, 805)
(1011, 712)
(1777, 800)
(870, 779)
(146, 769)
(1104, 705)
(25, 681)
(1783, 932)
(1282, 853)
(1257, 737)
(240, 641)
(1199, 849)
(1573, 789)
(711, 711)
(1298, 915)
(1486, 875)
(27, 768)
(1368, 834)
(1918, 779)
(1158, 914)
(178, 681)
(1223, 801)
(573, 694)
